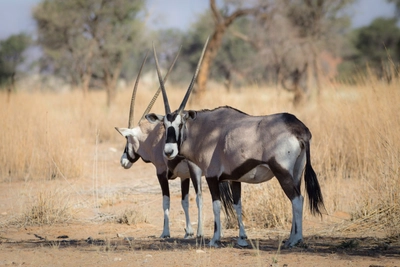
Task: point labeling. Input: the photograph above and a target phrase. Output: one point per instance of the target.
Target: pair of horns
(153, 100)
(190, 89)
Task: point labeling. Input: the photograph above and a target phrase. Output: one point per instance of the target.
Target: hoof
(215, 244)
(242, 241)
(165, 236)
(188, 235)
(290, 244)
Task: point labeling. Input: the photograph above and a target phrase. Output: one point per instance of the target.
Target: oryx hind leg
(291, 186)
(237, 204)
(195, 175)
(162, 179)
(216, 200)
(185, 184)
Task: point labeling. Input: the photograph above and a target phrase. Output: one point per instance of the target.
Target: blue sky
(15, 15)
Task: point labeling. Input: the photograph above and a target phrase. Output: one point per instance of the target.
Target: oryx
(146, 141)
(228, 144)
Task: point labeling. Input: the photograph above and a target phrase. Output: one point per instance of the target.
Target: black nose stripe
(171, 136)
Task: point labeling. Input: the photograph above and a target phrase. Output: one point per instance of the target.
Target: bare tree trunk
(85, 82)
(317, 71)
(299, 94)
(110, 80)
(10, 87)
(209, 56)
(221, 25)
(87, 73)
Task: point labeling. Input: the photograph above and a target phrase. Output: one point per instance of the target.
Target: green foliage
(11, 55)
(82, 38)
(379, 40)
(378, 44)
(397, 4)
(270, 45)
(317, 18)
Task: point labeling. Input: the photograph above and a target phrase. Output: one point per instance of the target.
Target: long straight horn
(166, 104)
(190, 89)
(131, 110)
(153, 100)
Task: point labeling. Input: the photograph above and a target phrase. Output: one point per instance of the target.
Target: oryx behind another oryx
(146, 141)
(228, 144)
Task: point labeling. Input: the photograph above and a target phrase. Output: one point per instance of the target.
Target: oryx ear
(125, 132)
(154, 118)
(191, 114)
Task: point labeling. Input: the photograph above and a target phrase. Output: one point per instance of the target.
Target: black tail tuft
(312, 186)
(227, 199)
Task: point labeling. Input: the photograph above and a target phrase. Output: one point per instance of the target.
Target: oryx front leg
(195, 174)
(185, 183)
(162, 179)
(215, 195)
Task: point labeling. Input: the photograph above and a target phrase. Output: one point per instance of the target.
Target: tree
(397, 4)
(285, 42)
(378, 43)
(84, 40)
(223, 18)
(317, 26)
(11, 55)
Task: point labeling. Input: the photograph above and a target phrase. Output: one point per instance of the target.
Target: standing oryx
(146, 141)
(228, 144)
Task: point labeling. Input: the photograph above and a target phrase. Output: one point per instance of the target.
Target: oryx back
(236, 146)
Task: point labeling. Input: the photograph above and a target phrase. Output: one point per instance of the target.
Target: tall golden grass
(355, 147)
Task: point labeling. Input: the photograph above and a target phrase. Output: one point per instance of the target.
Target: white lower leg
(199, 201)
(166, 204)
(242, 232)
(217, 223)
(185, 206)
(296, 234)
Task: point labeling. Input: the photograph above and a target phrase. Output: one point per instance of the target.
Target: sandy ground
(93, 238)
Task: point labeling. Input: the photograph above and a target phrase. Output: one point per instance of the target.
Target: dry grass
(131, 217)
(48, 207)
(355, 148)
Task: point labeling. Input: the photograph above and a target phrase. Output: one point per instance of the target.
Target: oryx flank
(228, 144)
(146, 141)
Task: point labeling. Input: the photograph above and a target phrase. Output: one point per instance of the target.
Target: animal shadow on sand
(367, 246)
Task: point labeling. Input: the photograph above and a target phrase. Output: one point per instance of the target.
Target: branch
(226, 21)
(238, 13)
(246, 38)
(215, 12)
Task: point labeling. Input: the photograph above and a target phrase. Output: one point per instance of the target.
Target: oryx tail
(313, 189)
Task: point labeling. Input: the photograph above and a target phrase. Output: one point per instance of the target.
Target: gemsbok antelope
(228, 144)
(146, 141)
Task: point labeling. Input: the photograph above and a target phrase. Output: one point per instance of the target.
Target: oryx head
(132, 134)
(174, 122)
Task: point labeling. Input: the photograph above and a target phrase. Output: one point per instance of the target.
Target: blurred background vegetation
(291, 45)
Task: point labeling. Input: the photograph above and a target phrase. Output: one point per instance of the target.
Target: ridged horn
(132, 107)
(164, 93)
(153, 100)
(190, 89)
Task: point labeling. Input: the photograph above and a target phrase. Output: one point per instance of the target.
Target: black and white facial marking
(129, 156)
(173, 129)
